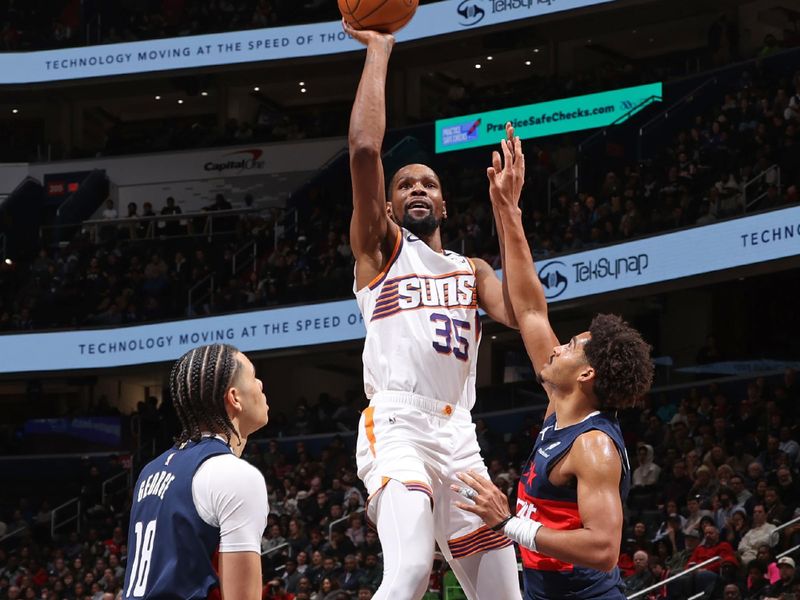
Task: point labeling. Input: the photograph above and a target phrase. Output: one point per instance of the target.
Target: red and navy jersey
(556, 507)
(171, 550)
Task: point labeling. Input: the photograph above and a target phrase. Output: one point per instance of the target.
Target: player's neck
(434, 241)
(238, 442)
(572, 407)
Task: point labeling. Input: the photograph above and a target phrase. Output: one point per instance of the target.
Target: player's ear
(232, 404)
(444, 210)
(389, 212)
(586, 374)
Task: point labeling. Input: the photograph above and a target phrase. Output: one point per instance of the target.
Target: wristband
(522, 531)
(502, 523)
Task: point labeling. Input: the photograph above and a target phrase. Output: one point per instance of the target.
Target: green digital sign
(545, 118)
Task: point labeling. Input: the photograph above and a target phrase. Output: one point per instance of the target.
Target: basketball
(386, 16)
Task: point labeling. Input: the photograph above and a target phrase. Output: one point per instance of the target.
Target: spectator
(695, 514)
(291, 577)
(766, 556)
(712, 547)
(760, 533)
(788, 489)
(704, 485)
(110, 211)
(645, 476)
(351, 575)
(365, 592)
(737, 527)
(756, 579)
(296, 538)
(777, 513)
(738, 488)
(732, 592)
(357, 531)
(372, 573)
(671, 526)
(641, 539)
(659, 573)
(642, 577)
(678, 485)
(276, 590)
(273, 539)
(787, 581)
(171, 228)
(328, 590)
(723, 514)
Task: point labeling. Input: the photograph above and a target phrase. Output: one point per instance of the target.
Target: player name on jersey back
(156, 484)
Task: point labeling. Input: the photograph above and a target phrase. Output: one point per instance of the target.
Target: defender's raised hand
(507, 174)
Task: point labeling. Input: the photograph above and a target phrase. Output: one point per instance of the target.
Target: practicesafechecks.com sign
(275, 43)
(736, 243)
(545, 118)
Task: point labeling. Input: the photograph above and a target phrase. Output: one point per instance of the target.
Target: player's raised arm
(524, 287)
(493, 294)
(370, 227)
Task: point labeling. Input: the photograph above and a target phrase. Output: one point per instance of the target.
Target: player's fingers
(474, 480)
(475, 475)
(496, 163)
(467, 507)
(468, 479)
(491, 173)
(509, 131)
(507, 157)
(517, 146)
(467, 492)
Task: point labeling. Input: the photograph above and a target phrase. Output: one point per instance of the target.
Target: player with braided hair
(199, 510)
(202, 375)
(568, 522)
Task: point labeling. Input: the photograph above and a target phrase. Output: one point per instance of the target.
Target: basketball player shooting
(420, 306)
(569, 502)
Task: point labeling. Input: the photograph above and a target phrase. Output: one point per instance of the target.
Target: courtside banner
(275, 43)
(736, 243)
(545, 118)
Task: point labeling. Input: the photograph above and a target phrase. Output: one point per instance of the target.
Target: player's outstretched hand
(507, 175)
(487, 501)
(367, 37)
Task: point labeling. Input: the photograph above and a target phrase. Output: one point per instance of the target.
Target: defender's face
(416, 195)
(566, 361)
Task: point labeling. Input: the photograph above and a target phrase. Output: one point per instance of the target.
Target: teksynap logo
(554, 279)
(472, 12)
(248, 160)
(461, 133)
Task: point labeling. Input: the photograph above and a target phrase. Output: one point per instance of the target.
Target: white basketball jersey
(423, 328)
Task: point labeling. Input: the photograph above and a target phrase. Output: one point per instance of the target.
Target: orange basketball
(378, 15)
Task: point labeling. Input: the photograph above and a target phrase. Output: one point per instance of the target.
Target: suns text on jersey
(452, 290)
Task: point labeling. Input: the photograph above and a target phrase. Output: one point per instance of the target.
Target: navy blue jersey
(556, 507)
(170, 548)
